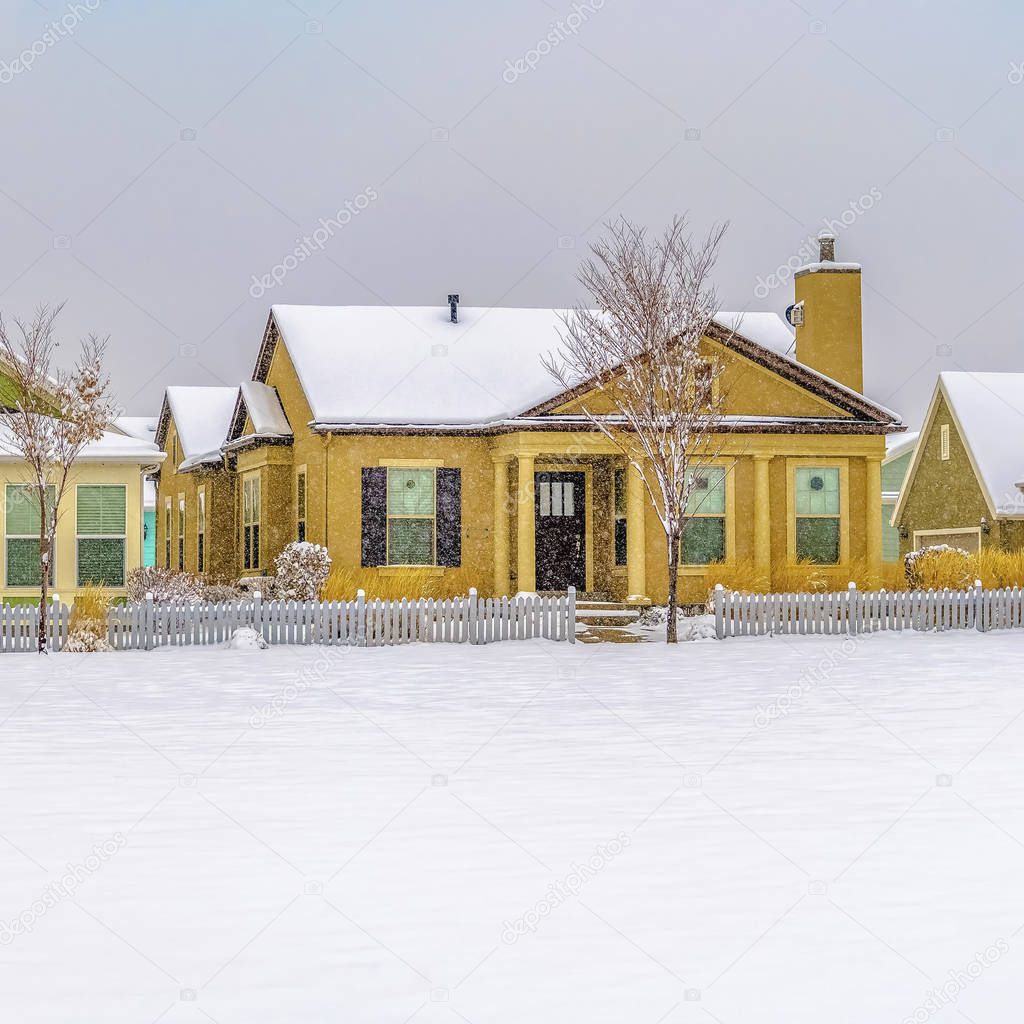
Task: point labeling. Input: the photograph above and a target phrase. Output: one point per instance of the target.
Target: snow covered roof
(899, 444)
(142, 427)
(202, 416)
(380, 365)
(264, 408)
(989, 412)
(111, 447)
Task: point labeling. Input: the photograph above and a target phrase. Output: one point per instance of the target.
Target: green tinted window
(101, 510)
(817, 492)
(818, 540)
(707, 492)
(703, 540)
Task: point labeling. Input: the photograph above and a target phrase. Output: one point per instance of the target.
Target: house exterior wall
(219, 486)
(65, 582)
(945, 494)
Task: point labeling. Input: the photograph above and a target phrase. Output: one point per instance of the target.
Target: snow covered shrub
(266, 586)
(163, 584)
(690, 627)
(302, 570)
(88, 637)
(939, 567)
(246, 639)
(218, 592)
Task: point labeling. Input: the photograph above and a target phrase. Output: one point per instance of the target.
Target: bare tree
(636, 359)
(54, 415)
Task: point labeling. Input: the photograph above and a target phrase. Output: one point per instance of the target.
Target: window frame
(8, 536)
(388, 516)
(182, 526)
(201, 529)
(301, 514)
(122, 537)
(252, 514)
(620, 485)
(843, 465)
(729, 525)
(167, 532)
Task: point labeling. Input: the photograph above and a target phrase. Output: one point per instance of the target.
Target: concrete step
(606, 614)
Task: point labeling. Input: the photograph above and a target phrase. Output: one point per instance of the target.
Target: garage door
(969, 540)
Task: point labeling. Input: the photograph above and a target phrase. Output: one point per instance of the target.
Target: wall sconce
(904, 533)
(985, 528)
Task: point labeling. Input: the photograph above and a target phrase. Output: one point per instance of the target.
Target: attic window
(944, 442)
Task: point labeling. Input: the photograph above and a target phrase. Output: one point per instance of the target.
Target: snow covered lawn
(802, 830)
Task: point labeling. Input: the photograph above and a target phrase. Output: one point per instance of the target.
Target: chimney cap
(826, 247)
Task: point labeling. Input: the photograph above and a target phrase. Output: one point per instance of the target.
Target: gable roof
(261, 404)
(142, 427)
(112, 446)
(988, 412)
(380, 366)
(202, 416)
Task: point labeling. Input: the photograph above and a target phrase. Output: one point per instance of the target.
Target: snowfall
(798, 829)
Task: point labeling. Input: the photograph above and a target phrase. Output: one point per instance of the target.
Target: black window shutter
(449, 517)
(375, 515)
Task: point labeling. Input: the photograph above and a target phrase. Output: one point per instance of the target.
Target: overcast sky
(161, 158)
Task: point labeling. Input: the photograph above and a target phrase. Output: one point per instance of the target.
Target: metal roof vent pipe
(453, 305)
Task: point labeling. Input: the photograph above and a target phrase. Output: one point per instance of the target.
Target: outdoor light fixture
(985, 528)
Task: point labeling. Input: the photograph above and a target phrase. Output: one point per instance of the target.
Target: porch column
(501, 538)
(762, 520)
(636, 540)
(873, 501)
(526, 526)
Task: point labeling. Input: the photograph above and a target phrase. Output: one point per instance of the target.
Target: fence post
(53, 623)
(979, 607)
(851, 607)
(570, 610)
(148, 623)
(257, 611)
(719, 611)
(360, 618)
(473, 616)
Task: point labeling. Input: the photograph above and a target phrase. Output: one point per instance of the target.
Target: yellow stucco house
(421, 436)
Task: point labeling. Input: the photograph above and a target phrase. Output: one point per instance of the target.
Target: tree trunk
(44, 585)
(671, 625)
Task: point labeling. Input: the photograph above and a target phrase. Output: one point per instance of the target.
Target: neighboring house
(99, 532)
(964, 484)
(402, 439)
(195, 492)
(144, 428)
(899, 450)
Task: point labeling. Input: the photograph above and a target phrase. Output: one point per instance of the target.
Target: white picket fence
(148, 624)
(853, 611)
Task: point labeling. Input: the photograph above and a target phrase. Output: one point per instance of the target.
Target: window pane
(23, 562)
(101, 509)
(411, 541)
(300, 496)
(568, 498)
(411, 492)
(101, 561)
(620, 541)
(703, 540)
(817, 492)
(545, 498)
(818, 540)
(620, 492)
(23, 509)
(707, 495)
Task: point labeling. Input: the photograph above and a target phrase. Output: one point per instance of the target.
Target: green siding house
(899, 451)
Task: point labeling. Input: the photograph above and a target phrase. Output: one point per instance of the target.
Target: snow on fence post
(472, 616)
(979, 607)
(148, 623)
(570, 611)
(719, 611)
(360, 618)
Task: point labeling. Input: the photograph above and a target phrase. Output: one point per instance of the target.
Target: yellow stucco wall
(219, 486)
(65, 564)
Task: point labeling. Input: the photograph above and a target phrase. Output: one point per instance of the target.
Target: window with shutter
(411, 516)
(374, 517)
(448, 519)
(100, 515)
(22, 532)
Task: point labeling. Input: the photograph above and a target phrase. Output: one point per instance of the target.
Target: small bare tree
(638, 362)
(54, 415)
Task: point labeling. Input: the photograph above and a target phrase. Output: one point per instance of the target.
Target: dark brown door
(560, 500)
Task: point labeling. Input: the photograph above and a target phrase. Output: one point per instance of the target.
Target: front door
(561, 505)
